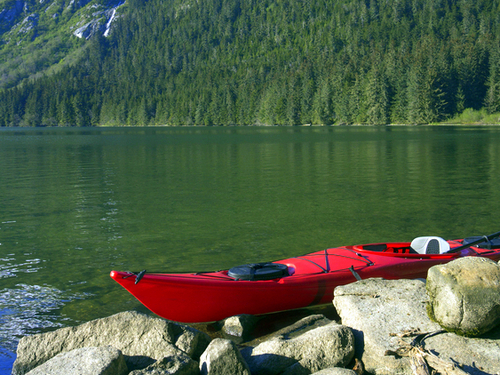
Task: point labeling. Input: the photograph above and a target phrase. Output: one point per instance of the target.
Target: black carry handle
(479, 240)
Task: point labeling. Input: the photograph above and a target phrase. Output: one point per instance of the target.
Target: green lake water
(77, 203)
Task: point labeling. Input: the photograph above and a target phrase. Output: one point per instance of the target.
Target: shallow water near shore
(77, 203)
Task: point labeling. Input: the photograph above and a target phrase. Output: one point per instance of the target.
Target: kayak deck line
(290, 283)
(327, 259)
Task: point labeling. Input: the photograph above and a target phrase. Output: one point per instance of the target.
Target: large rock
(375, 309)
(335, 371)
(296, 329)
(302, 326)
(239, 326)
(222, 357)
(327, 346)
(175, 362)
(464, 295)
(476, 356)
(142, 340)
(104, 360)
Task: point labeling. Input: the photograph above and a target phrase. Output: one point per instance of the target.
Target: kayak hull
(213, 296)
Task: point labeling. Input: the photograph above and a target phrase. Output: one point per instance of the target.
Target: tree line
(280, 62)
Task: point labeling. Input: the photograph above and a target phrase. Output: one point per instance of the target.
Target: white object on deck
(430, 245)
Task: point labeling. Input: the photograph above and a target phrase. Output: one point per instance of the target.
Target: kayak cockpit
(391, 248)
(406, 249)
(420, 245)
(429, 245)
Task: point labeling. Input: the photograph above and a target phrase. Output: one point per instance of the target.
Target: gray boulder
(335, 371)
(303, 325)
(142, 340)
(223, 357)
(239, 326)
(331, 345)
(381, 311)
(464, 295)
(294, 330)
(104, 360)
(175, 362)
(476, 356)
(375, 309)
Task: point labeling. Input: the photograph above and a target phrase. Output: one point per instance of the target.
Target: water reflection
(10, 268)
(28, 309)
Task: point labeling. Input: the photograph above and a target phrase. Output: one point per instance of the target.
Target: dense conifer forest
(281, 62)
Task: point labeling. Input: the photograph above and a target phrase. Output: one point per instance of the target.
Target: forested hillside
(282, 62)
(43, 36)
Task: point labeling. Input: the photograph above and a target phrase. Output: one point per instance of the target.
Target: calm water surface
(75, 204)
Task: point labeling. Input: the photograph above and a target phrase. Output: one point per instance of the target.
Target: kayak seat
(258, 271)
(430, 245)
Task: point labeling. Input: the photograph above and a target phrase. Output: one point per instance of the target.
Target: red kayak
(295, 282)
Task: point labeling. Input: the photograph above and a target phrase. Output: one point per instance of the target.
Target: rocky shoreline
(384, 327)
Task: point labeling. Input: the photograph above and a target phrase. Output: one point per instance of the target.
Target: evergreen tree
(322, 104)
(65, 115)
(377, 98)
(492, 100)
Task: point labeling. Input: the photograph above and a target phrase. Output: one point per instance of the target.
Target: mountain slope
(287, 62)
(36, 36)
